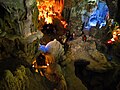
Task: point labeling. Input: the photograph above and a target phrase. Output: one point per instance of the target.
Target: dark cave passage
(107, 80)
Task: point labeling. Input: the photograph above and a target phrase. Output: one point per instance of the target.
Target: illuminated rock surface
(82, 67)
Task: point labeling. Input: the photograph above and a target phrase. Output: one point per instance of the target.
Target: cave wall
(114, 9)
(112, 4)
(118, 12)
(73, 13)
(19, 38)
(18, 23)
(18, 28)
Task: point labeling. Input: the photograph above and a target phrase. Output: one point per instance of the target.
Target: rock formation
(84, 66)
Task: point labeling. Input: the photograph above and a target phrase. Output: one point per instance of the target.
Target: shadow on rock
(93, 80)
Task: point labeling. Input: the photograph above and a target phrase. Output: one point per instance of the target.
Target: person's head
(40, 59)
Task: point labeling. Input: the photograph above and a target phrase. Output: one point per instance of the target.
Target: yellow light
(49, 8)
(48, 20)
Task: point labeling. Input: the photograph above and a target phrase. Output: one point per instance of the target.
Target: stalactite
(66, 14)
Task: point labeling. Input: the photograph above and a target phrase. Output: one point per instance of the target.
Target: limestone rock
(34, 36)
(96, 55)
(18, 22)
(73, 82)
(18, 15)
(55, 75)
(87, 51)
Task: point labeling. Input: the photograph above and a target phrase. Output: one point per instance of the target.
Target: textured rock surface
(21, 79)
(72, 81)
(19, 38)
(18, 25)
(19, 41)
(81, 50)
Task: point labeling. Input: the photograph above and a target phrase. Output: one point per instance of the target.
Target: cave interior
(59, 45)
